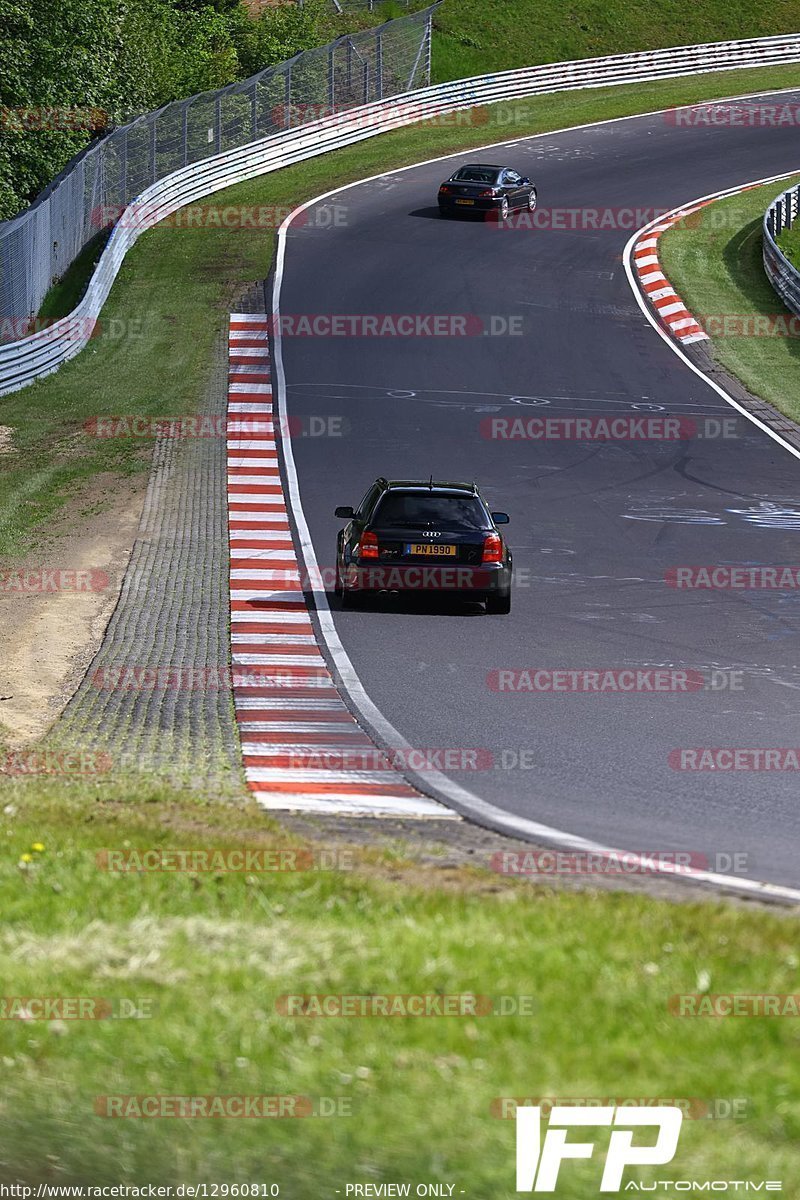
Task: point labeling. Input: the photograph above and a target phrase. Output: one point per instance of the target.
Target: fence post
(152, 149)
(428, 40)
(185, 134)
(287, 97)
(254, 114)
(379, 65)
(218, 125)
(123, 166)
(331, 82)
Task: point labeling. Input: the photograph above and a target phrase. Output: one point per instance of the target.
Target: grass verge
(154, 351)
(209, 954)
(473, 37)
(714, 263)
(789, 242)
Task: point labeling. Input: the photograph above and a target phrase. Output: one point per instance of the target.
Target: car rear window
(476, 175)
(420, 509)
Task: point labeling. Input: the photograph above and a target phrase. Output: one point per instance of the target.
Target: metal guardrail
(24, 361)
(784, 277)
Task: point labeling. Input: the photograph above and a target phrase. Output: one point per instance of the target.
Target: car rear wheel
(499, 605)
(337, 586)
(504, 209)
(532, 200)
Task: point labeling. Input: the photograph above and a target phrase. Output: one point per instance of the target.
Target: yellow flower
(38, 847)
(26, 858)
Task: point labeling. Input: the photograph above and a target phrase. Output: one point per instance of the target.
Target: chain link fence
(38, 246)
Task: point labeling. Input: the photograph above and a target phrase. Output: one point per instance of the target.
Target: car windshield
(476, 175)
(417, 510)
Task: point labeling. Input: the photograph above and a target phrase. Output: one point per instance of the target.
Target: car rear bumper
(449, 204)
(429, 578)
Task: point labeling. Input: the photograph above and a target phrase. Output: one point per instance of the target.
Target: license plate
(428, 548)
(465, 201)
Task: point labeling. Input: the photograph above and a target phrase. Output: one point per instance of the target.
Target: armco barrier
(24, 361)
(784, 277)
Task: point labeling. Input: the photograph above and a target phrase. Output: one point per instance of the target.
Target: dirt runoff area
(56, 603)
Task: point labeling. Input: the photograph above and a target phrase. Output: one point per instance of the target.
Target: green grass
(67, 292)
(714, 262)
(154, 352)
(211, 953)
(789, 242)
(473, 37)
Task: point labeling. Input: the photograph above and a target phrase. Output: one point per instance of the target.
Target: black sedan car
(422, 537)
(479, 188)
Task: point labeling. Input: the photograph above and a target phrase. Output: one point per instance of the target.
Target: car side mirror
(344, 512)
(500, 518)
(526, 180)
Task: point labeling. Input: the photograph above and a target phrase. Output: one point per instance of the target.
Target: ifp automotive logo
(539, 1162)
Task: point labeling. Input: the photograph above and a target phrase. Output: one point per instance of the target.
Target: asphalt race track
(594, 526)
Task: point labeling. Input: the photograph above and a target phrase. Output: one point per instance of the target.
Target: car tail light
(490, 192)
(368, 546)
(445, 188)
(493, 548)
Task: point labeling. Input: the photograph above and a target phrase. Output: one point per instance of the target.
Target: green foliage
(70, 70)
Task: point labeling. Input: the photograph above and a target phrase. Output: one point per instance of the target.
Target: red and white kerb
(287, 705)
